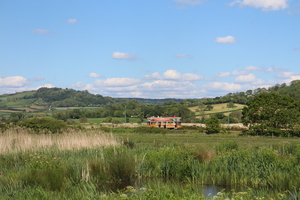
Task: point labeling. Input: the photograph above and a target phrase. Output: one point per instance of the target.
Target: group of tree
(272, 114)
(57, 97)
(266, 114)
(131, 108)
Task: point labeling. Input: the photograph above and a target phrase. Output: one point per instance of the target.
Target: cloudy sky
(149, 48)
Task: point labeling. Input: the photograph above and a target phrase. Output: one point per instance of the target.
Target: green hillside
(217, 108)
(46, 100)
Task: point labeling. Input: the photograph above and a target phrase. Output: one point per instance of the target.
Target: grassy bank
(89, 165)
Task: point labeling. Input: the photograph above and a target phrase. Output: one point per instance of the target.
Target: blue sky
(149, 48)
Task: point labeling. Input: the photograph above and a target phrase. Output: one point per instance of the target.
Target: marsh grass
(78, 165)
(21, 140)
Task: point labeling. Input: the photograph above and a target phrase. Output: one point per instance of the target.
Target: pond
(208, 191)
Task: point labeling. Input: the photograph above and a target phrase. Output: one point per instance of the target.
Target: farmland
(218, 108)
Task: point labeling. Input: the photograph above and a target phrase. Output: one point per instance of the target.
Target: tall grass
(83, 163)
(20, 140)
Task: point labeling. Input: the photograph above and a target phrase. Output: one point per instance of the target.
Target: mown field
(143, 163)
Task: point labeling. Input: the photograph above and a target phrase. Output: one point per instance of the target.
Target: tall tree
(272, 114)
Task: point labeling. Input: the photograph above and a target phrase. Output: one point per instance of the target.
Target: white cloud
(48, 85)
(175, 75)
(95, 75)
(113, 82)
(153, 76)
(172, 74)
(167, 85)
(238, 73)
(252, 68)
(223, 87)
(13, 81)
(292, 78)
(123, 56)
(245, 78)
(266, 5)
(41, 31)
(234, 2)
(288, 75)
(223, 74)
(72, 21)
(191, 77)
(233, 73)
(225, 40)
(190, 2)
(275, 69)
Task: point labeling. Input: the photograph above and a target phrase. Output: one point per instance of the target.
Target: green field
(218, 108)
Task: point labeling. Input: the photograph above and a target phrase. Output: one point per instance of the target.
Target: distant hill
(45, 99)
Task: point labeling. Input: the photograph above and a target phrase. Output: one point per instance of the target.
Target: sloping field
(218, 108)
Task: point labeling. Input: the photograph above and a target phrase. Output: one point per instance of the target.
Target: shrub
(116, 121)
(213, 125)
(45, 125)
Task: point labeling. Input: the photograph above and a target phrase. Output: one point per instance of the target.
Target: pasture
(217, 108)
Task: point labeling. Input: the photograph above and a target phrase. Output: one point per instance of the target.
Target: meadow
(138, 163)
(217, 108)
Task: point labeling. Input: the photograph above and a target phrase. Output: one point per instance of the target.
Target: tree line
(131, 108)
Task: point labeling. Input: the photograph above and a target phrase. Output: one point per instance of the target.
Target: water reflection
(208, 191)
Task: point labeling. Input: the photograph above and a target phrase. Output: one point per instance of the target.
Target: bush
(213, 125)
(45, 125)
(116, 121)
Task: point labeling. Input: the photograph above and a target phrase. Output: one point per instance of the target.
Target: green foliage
(150, 130)
(165, 162)
(83, 120)
(209, 107)
(176, 171)
(45, 125)
(16, 117)
(272, 114)
(116, 121)
(108, 119)
(48, 172)
(68, 97)
(226, 146)
(115, 166)
(213, 125)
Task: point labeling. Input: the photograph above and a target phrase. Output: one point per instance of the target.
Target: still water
(208, 191)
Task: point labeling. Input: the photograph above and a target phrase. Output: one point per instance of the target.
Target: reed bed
(21, 140)
(79, 164)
